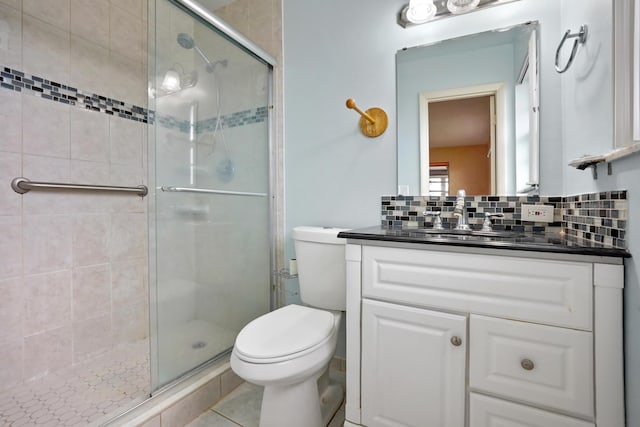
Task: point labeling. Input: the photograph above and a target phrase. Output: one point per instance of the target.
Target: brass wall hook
(373, 122)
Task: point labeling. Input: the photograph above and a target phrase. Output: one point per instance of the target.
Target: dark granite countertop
(547, 242)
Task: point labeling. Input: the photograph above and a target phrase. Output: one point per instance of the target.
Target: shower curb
(181, 404)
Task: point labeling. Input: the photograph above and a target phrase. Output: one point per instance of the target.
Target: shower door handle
(208, 191)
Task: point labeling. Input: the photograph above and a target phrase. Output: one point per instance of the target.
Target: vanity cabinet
(466, 337)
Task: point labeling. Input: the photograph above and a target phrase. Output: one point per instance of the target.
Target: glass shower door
(211, 244)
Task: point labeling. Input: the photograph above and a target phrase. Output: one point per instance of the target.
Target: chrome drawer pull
(527, 364)
(457, 341)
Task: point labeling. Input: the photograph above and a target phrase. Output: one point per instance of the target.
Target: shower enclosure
(210, 231)
(85, 333)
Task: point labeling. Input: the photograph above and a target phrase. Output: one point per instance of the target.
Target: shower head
(187, 42)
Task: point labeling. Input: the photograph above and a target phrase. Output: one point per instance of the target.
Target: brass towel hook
(373, 121)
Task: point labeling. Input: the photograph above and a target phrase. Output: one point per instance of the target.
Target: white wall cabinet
(470, 339)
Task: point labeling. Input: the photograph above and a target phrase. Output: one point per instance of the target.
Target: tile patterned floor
(82, 395)
(241, 408)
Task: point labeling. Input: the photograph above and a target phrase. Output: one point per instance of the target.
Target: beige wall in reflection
(469, 167)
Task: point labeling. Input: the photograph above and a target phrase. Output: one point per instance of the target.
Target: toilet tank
(321, 266)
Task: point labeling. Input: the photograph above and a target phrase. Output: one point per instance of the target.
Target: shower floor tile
(85, 394)
(242, 408)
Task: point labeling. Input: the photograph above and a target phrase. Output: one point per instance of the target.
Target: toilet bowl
(288, 350)
(289, 369)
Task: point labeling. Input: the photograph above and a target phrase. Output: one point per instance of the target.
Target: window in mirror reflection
(439, 179)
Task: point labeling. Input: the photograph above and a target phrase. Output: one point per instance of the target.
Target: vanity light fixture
(422, 11)
(458, 7)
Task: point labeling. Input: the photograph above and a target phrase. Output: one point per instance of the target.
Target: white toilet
(288, 350)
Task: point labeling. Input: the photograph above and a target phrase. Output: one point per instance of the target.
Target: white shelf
(591, 161)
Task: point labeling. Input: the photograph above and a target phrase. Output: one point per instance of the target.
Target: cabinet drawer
(489, 412)
(542, 291)
(542, 365)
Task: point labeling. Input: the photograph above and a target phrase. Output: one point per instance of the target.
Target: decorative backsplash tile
(597, 217)
(600, 217)
(407, 211)
(18, 81)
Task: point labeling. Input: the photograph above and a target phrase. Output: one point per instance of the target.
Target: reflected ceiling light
(419, 11)
(171, 81)
(175, 80)
(461, 6)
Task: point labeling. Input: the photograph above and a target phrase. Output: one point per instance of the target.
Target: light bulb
(461, 6)
(420, 11)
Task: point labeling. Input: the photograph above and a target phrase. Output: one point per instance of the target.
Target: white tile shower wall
(73, 266)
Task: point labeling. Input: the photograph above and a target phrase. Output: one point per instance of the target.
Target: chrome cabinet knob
(527, 364)
(456, 341)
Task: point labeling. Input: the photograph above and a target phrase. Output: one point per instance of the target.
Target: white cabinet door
(413, 366)
(486, 411)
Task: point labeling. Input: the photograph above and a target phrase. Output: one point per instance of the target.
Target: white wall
(587, 88)
(586, 91)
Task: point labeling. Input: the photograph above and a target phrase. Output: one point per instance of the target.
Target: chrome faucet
(437, 222)
(460, 211)
(487, 225)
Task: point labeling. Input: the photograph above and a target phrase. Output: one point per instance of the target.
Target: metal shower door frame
(199, 12)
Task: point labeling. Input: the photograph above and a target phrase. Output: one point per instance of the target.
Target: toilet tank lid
(288, 330)
(318, 234)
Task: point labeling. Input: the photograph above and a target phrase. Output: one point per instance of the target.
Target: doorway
(463, 128)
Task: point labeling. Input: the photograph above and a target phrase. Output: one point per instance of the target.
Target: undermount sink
(479, 233)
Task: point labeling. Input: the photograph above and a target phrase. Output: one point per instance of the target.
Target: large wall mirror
(468, 114)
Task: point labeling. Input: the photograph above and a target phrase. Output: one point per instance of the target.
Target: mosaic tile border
(596, 217)
(18, 81)
(240, 118)
(12, 79)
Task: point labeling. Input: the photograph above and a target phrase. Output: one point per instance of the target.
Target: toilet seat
(284, 334)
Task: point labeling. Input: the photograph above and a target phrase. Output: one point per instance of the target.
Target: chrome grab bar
(206, 191)
(23, 185)
(580, 38)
